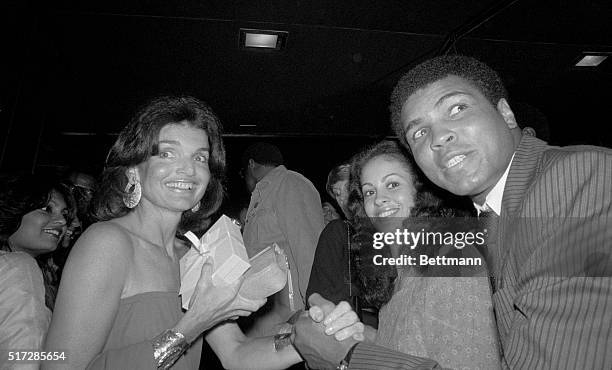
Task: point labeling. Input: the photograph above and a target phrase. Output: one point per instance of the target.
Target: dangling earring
(196, 207)
(133, 192)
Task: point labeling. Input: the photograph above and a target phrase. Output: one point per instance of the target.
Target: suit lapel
(522, 173)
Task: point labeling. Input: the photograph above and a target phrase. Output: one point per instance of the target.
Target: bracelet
(168, 347)
(344, 364)
(281, 341)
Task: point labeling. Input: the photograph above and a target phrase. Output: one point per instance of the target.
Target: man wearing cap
(285, 209)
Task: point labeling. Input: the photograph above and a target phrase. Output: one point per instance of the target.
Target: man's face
(459, 139)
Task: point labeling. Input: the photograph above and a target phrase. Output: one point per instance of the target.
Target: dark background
(73, 71)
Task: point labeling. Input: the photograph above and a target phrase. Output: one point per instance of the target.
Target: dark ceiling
(75, 70)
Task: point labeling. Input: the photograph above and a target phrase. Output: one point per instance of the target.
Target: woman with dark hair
(118, 303)
(423, 310)
(33, 217)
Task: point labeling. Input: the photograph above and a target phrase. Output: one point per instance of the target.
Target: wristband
(281, 341)
(344, 364)
(168, 347)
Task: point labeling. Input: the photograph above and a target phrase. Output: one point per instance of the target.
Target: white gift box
(223, 243)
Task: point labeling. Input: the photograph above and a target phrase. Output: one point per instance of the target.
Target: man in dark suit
(551, 208)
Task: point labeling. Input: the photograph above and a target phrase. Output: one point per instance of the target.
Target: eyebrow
(451, 94)
(384, 178)
(392, 174)
(412, 124)
(175, 142)
(443, 98)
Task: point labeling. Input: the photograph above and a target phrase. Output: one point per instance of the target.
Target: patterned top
(446, 319)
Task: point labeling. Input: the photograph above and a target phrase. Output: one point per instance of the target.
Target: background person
(33, 216)
(285, 209)
(332, 268)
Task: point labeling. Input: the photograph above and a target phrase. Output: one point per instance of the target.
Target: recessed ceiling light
(262, 39)
(590, 60)
(248, 125)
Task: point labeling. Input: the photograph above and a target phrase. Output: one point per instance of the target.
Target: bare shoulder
(104, 241)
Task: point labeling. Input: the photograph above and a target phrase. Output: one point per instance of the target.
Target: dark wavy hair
(139, 140)
(21, 194)
(476, 72)
(377, 283)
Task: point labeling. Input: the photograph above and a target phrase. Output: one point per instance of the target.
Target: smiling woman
(118, 303)
(33, 216)
(418, 303)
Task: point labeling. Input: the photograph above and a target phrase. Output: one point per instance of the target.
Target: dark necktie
(489, 221)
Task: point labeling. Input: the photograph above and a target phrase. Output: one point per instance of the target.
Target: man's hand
(319, 350)
(339, 320)
(324, 336)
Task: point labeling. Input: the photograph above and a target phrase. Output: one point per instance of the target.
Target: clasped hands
(325, 334)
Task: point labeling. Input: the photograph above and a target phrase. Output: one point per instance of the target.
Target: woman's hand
(339, 320)
(211, 305)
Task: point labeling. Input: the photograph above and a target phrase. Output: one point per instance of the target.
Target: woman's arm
(236, 351)
(89, 295)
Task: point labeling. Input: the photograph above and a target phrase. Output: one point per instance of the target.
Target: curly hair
(377, 283)
(20, 194)
(138, 141)
(476, 72)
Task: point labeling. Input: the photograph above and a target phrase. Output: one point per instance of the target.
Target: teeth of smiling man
(180, 185)
(455, 160)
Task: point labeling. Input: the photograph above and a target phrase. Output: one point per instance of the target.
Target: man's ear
(504, 109)
(251, 163)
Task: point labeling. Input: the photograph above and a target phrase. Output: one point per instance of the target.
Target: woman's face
(340, 190)
(42, 229)
(176, 178)
(388, 188)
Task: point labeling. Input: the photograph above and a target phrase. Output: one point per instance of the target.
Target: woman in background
(34, 213)
(331, 268)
